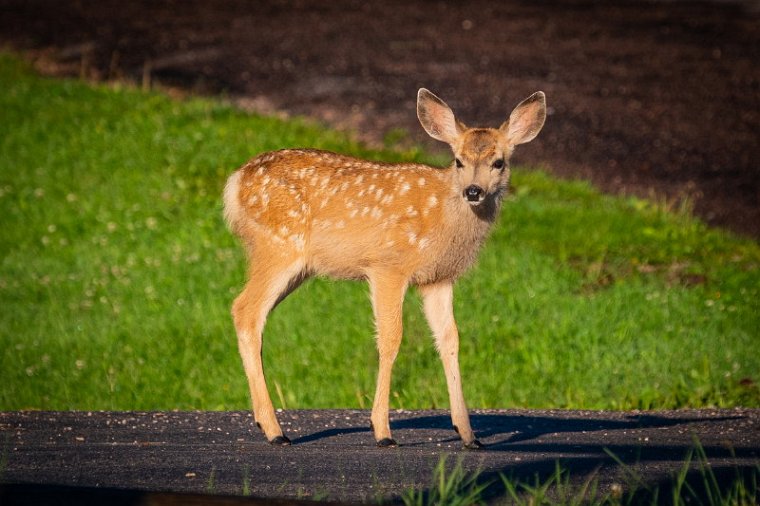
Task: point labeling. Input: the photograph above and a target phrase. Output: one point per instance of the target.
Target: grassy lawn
(117, 274)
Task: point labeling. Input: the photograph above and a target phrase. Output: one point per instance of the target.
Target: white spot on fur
(353, 213)
(376, 212)
(421, 181)
(340, 224)
(412, 237)
(359, 179)
(293, 214)
(298, 240)
(431, 202)
(411, 211)
(404, 188)
(387, 200)
(423, 243)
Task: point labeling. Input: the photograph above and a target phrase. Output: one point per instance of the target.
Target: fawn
(302, 213)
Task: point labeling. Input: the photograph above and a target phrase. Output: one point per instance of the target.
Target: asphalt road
(334, 457)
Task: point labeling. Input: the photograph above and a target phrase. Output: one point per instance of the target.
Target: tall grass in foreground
(695, 483)
(117, 274)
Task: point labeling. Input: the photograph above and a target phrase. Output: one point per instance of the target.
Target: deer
(301, 213)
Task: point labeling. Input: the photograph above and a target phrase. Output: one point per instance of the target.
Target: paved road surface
(333, 454)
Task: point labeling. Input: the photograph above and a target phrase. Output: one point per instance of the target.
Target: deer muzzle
(474, 194)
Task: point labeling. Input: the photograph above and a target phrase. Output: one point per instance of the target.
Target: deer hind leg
(439, 310)
(269, 283)
(387, 301)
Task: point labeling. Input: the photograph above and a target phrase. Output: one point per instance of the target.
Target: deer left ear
(526, 120)
(437, 118)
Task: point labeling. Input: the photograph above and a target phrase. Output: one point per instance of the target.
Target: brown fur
(306, 212)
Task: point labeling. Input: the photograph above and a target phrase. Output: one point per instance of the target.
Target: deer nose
(473, 193)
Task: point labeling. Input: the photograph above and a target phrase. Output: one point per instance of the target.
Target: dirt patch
(645, 98)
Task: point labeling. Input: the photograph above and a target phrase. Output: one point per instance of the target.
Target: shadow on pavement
(585, 460)
(55, 495)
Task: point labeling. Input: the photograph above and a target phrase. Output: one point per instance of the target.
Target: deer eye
(458, 163)
(498, 164)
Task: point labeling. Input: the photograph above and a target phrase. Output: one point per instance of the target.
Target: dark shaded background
(655, 99)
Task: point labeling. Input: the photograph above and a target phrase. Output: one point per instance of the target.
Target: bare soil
(655, 99)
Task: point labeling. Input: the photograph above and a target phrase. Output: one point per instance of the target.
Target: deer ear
(526, 120)
(437, 118)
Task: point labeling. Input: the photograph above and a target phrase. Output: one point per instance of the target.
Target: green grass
(117, 274)
(450, 486)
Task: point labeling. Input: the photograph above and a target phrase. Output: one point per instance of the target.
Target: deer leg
(268, 285)
(387, 302)
(439, 310)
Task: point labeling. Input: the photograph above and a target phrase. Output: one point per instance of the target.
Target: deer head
(481, 155)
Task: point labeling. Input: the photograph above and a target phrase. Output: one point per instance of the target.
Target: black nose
(473, 193)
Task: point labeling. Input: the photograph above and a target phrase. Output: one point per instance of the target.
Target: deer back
(343, 215)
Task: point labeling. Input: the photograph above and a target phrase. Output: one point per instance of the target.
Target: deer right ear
(437, 118)
(526, 120)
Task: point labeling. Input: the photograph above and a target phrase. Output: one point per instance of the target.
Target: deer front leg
(438, 300)
(387, 301)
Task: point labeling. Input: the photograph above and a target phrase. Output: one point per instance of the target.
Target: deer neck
(469, 225)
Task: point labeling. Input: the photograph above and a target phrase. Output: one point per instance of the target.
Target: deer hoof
(387, 443)
(280, 441)
(474, 445)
